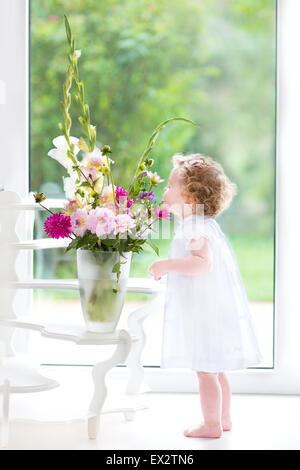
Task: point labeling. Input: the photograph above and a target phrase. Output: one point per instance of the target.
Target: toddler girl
(207, 322)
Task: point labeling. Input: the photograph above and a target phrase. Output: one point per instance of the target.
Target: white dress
(207, 323)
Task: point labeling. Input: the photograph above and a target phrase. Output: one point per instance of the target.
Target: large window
(143, 61)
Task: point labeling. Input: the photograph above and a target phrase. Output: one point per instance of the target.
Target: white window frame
(14, 134)
(14, 175)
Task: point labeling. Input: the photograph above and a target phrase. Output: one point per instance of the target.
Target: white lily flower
(60, 152)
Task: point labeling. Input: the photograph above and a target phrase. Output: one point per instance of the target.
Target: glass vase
(101, 306)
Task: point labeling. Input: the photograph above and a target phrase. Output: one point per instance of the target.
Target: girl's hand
(159, 269)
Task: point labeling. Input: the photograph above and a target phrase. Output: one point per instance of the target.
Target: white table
(20, 377)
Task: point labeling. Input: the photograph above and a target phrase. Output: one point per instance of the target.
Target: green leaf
(116, 267)
(154, 247)
(68, 29)
(71, 245)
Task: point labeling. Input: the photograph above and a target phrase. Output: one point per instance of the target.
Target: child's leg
(211, 404)
(226, 399)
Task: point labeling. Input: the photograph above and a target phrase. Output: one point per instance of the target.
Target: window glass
(142, 62)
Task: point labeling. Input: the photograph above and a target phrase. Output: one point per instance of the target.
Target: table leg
(99, 373)
(5, 414)
(136, 327)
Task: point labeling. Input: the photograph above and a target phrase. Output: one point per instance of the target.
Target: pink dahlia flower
(79, 222)
(58, 225)
(123, 223)
(101, 221)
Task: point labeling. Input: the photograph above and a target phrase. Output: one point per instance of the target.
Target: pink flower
(101, 221)
(154, 177)
(107, 196)
(89, 172)
(92, 219)
(94, 158)
(79, 221)
(130, 202)
(119, 191)
(123, 223)
(162, 214)
(122, 194)
(58, 225)
(70, 206)
(110, 206)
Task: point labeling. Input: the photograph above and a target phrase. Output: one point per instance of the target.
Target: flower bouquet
(104, 221)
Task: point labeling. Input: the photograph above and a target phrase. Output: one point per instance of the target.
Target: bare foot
(226, 424)
(210, 432)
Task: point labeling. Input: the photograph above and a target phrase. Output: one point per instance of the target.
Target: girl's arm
(200, 261)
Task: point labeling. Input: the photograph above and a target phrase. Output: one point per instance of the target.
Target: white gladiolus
(60, 152)
(70, 186)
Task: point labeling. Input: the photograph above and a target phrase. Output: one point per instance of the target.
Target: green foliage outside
(144, 61)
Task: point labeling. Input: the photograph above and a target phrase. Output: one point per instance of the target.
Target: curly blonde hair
(204, 182)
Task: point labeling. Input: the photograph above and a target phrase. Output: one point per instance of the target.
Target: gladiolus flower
(60, 152)
(70, 185)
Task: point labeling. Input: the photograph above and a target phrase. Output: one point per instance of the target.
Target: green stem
(149, 190)
(84, 119)
(111, 178)
(148, 226)
(153, 139)
(46, 208)
(91, 185)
